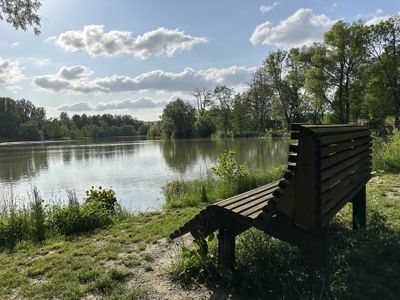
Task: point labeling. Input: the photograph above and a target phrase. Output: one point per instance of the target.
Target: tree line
(22, 120)
(353, 76)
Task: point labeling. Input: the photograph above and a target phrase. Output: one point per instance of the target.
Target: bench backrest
(329, 165)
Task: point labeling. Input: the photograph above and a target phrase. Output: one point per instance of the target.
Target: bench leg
(359, 209)
(318, 263)
(226, 247)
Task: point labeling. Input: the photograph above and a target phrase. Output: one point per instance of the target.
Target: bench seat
(245, 207)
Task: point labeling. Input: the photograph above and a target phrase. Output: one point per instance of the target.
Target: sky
(133, 57)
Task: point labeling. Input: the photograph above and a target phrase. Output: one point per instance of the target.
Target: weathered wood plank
(327, 184)
(327, 217)
(333, 139)
(230, 200)
(333, 170)
(337, 148)
(342, 193)
(322, 131)
(337, 190)
(264, 200)
(338, 158)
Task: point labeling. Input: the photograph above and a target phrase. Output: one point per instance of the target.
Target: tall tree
(223, 101)
(21, 14)
(336, 66)
(287, 73)
(203, 99)
(259, 98)
(384, 49)
(178, 119)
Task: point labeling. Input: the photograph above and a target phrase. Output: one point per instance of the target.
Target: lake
(135, 168)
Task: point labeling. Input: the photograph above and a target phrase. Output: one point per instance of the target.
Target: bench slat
(247, 200)
(337, 190)
(333, 170)
(333, 139)
(329, 215)
(327, 184)
(263, 200)
(323, 131)
(247, 194)
(337, 148)
(338, 158)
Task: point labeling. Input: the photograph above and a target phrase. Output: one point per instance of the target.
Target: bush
(105, 198)
(386, 154)
(96, 212)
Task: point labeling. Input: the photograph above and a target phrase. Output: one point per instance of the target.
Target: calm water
(135, 168)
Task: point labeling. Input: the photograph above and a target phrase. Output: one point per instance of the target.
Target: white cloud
(301, 28)
(77, 79)
(127, 104)
(267, 8)
(50, 39)
(10, 73)
(93, 40)
(76, 107)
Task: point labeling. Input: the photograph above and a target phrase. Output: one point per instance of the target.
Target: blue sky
(134, 56)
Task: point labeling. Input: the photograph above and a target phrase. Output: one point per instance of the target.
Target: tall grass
(194, 193)
(386, 154)
(35, 222)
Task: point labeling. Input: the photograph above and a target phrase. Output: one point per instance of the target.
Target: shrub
(386, 154)
(74, 218)
(228, 168)
(105, 198)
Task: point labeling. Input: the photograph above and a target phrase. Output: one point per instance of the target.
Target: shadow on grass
(364, 264)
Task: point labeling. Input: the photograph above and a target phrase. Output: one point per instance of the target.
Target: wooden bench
(328, 167)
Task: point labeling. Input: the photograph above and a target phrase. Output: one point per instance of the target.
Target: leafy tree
(178, 119)
(384, 50)
(203, 100)
(287, 75)
(21, 14)
(336, 66)
(259, 100)
(223, 105)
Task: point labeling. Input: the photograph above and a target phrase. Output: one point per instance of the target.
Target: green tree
(384, 51)
(223, 102)
(178, 119)
(336, 67)
(21, 14)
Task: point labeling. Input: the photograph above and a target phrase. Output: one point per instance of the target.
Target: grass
(100, 263)
(386, 154)
(365, 263)
(196, 193)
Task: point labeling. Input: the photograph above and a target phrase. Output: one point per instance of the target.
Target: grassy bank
(120, 255)
(364, 264)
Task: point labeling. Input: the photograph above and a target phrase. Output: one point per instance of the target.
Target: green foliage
(36, 222)
(204, 126)
(21, 120)
(155, 130)
(196, 264)
(228, 168)
(194, 193)
(178, 119)
(38, 216)
(97, 211)
(104, 197)
(386, 154)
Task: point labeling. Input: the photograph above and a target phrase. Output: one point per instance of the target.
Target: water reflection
(136, 169)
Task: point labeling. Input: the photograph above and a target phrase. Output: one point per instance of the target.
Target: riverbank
(132, 259)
